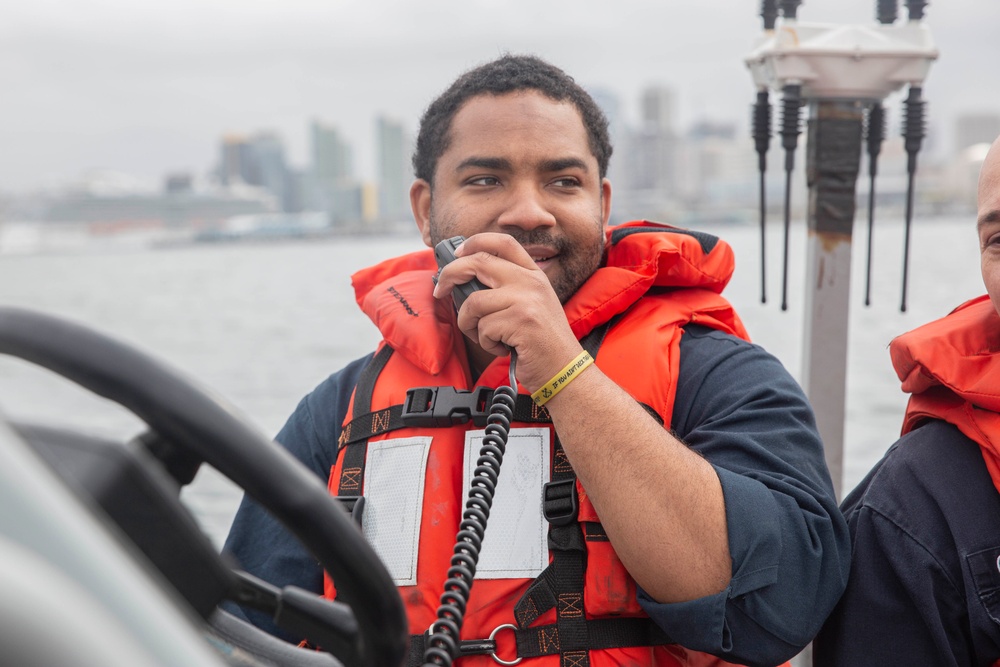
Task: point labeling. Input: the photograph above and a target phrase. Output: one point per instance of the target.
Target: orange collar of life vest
(951, 369)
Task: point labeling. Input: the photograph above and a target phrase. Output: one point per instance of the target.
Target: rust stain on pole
(829, 244)
(829, 241)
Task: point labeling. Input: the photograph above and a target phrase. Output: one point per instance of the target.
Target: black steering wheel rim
(191, 418)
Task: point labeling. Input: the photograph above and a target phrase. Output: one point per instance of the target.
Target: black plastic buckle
(445, 406)
(560, 504)
(355, 506)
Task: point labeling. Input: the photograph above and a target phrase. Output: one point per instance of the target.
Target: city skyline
(224, 167)
(706, 171)
(148, 90)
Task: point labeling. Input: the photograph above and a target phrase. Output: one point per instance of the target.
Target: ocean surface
(262, 324)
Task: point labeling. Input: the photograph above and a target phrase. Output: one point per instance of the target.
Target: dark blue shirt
(925, 584)
(738, 407)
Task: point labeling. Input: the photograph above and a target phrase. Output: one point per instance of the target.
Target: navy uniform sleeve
(925, 526)
(259, 543)
(738, 407)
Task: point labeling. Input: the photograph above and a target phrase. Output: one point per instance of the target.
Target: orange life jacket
(409, 406)
(950, 367)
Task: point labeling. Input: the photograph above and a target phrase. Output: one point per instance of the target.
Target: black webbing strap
(594, 532)
(560, 585)
(352, 470)
(602, 633)
(437, 407)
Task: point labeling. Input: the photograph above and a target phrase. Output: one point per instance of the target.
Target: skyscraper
(611, 106)
(332, 160)
(394, 170)
(336, 191)
(654, 147)
(267, 166)
(233, 159)
(658, 108)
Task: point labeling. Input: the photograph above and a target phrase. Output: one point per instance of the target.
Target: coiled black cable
(442, 645)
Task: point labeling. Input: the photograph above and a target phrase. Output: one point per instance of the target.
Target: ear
(605, 203)
(420, 203)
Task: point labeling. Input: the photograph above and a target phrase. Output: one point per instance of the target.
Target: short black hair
(507, 74)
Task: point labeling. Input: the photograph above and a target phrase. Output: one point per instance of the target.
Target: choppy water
(263, 324)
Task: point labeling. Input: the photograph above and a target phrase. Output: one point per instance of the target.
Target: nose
(526, 209)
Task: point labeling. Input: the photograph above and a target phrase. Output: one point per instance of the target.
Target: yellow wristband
(562, 378)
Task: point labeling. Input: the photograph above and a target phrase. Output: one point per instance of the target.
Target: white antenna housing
(843, 62)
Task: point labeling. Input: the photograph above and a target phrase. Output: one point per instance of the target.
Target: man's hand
(520, 310)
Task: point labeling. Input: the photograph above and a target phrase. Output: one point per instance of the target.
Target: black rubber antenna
(789, 8)
(886, 11)
(790, 128)
(761, 122)
(915, 8)
(913, 135)
(769, 12)
(874, 135)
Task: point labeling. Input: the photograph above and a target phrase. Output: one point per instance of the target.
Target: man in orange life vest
(691, 474)
(925, 581)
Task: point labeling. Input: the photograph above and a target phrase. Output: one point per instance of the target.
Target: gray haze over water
(148, 88)
(261, 325)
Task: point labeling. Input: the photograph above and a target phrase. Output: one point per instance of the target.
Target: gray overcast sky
(150, 87)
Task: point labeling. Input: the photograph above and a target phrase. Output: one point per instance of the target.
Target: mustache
(539, 237)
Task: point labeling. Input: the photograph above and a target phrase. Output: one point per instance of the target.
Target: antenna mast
(841, 74)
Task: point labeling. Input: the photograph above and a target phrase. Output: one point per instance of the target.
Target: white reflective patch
(391, 518)
(515, 545)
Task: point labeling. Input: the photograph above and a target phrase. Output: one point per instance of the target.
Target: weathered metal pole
(833, 158)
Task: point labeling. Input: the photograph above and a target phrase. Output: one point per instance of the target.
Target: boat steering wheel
(202, 425)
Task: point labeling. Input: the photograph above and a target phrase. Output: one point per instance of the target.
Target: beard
(576, 261)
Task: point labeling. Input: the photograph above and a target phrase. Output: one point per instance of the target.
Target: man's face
(521, 164)
(989, 223)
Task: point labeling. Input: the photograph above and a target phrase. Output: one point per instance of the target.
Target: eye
(990, 244)
(989, 237)
(989, 231)
(484, 181)
(566, 182)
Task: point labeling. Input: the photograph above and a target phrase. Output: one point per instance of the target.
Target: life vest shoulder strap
(603, 633)
(353, 469)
